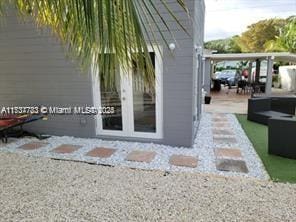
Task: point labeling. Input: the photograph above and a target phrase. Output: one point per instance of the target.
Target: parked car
(229, 77)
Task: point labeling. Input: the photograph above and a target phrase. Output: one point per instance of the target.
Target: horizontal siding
(35, 70)
(177, 76)
(199, 20)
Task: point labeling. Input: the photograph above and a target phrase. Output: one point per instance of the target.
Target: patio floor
(220, 147)
(228, 101)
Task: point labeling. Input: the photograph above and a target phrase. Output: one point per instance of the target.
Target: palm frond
(2, 3)
(92, 28)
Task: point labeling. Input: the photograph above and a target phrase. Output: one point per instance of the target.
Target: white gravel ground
(203, 148)
(40, 189)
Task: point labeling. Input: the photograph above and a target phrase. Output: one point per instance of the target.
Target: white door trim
(97, 103)
(158, 100)
(127, 104)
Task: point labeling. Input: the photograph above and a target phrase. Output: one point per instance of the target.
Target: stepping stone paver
(228, 153)
(219, 115)
(141, 156)
(231, 165)
(101, 152)
(182, 160)
(32, 145)
(66, 148)
(221, 124)
(226, 132)
(221, 139)
(220, 120)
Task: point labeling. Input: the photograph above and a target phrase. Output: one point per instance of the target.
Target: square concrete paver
(101, 152)
(185, 161)
(32, 145)
(228, 153)
(141, 156)
(231, 165)
(66, 148)
(217, 120)
(219, 115)
(228, 140)
(221, 125)
(226, 132)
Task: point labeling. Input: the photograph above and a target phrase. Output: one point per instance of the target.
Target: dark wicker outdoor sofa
(282, 137)
(279, 114)
(262, 108)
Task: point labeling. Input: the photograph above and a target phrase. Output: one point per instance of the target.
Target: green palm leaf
(92, 28)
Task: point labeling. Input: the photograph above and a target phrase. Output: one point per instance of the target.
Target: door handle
(123, 98)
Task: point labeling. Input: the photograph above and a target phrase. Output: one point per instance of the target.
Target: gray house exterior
(35, 70)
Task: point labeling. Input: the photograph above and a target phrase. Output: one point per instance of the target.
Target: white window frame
(127, 104)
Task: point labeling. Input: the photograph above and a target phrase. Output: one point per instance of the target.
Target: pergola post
(250, 71)
(257, 74)
(268, 85)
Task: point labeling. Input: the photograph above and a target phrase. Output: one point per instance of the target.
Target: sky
(225, 18)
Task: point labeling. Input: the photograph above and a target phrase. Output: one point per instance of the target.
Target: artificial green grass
(279, 169)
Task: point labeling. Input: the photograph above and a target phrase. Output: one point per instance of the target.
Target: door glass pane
(111, 97)
(144, 102)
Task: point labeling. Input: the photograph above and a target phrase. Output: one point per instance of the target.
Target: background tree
(228, 45)
(288, 36)
(259, 34)
(286, 41)
(270, 35)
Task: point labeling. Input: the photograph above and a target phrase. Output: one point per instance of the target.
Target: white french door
(137, 108)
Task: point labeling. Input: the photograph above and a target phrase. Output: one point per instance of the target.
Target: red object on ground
(7, 120)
